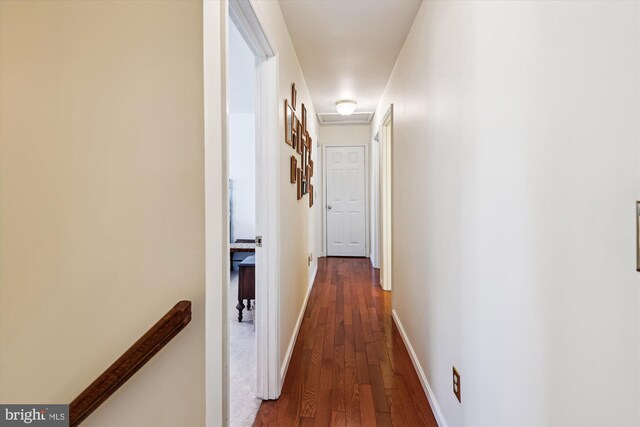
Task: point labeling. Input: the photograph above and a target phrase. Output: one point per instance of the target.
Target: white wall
(242, 138)
(347, 135)
(296, 218)
(242, 174)
(102, 202)
(516, 166)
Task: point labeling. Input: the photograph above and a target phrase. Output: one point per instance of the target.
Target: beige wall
(345, 135)
(516, 173)
(102, 202)
(296, 219)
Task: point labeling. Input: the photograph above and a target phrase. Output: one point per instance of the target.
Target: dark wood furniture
(130, 362)
(246, 284)
(241, 245)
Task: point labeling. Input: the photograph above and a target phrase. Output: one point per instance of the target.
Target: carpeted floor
(242, 362)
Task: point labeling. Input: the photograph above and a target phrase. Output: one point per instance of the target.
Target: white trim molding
(296, 330)
(216, 211)
(442, 422)
(247, 22)
(374, 199)
(386, 201)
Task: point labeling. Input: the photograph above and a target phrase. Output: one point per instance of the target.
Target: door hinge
(258, 241)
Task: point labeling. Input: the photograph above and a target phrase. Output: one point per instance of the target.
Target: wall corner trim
(294, 336)
(442, 422)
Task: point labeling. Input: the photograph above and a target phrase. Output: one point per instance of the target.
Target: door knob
(329, 207)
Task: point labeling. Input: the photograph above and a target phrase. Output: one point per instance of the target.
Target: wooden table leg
(240, 307)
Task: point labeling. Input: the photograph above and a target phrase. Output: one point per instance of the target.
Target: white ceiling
(347, 48)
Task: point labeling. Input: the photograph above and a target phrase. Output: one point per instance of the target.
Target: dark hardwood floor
(349, 365)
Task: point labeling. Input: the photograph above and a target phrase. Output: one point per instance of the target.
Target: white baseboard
(423, 378)
(296, 330)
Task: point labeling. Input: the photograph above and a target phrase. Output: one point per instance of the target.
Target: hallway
(349, 365)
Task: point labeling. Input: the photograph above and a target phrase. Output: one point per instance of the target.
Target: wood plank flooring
(349, 365)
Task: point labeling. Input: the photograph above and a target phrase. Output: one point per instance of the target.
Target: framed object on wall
(304, 161)
(289, 118)
(294, 95)
(296, 133)
(304, 118)
(294, 169)
(301, 139)
(297, 136)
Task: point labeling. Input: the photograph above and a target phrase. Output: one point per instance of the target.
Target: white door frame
(216, 209)
(375, 201)
(386, 205)
(366, 194)
(267, 197)
(216, 216)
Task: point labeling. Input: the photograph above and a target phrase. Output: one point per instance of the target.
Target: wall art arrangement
(297, 136)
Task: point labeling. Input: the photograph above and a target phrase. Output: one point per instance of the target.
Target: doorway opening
(243, 401)
(386, 200)
(252, 322)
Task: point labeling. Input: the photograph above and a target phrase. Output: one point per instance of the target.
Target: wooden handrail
(130, 362)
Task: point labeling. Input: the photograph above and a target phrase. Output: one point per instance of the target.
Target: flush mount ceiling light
(345, 107)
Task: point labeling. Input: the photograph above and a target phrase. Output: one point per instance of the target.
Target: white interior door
(346, 217)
